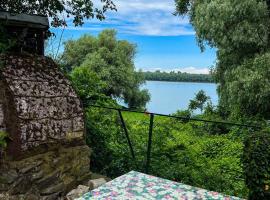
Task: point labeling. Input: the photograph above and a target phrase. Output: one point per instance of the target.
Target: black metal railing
(151, 125)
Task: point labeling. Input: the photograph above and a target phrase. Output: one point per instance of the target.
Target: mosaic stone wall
(46, 155)
(46, 176)
(41, 106)
(2, 124)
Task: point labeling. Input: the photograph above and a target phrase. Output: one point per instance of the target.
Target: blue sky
(164, 41)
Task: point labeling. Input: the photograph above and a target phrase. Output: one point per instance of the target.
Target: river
(168, 97)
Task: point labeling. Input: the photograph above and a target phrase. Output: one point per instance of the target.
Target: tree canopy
(177, 77)
(199, 101)
(239, 30)
(110, 63)
(59, 10)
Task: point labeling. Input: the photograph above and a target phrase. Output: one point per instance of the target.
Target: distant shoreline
(178, 77)
(181, 81)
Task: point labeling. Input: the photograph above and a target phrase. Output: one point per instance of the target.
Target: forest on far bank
(177, 77)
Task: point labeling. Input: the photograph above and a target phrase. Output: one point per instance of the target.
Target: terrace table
(139, 186)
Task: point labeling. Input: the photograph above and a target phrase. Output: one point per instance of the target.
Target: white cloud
(144, 5)
(142, 17)
(190, 70)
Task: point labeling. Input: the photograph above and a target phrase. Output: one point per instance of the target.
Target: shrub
(256, 161)
(181, 151)
(6, 43)
(3, 142)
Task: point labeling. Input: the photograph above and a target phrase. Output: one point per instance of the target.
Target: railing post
(149, 146)
(126, 134)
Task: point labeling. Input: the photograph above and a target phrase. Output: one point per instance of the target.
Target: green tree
(239, 30)
(199, 101)
(249, 88)
(177, 77)
(88, 85)
(256, 164)
(110, 62)
(78, 10)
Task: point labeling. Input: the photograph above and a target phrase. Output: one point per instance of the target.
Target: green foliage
(3, 140)
(183, 113)
(256, 165)
(88, 85)
(5, 42)
(239, 30)
(104, 65)
(79, 10)
(199, 101)
(248, 88)
(177, 77)
(181, 151)
(238, 27)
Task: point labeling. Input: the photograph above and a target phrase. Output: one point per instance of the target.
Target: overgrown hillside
(182, 151)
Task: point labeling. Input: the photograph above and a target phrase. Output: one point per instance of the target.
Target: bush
(6, 43)
(3, 142)
(246, 84)
(181, 151)
(256, 161)
(110, 152)
(187, 153)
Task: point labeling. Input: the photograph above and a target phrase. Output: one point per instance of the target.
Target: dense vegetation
(256, 165)
(102, 67)
(195, 153)
(182, 151)
(201, 154)
(239, 30)
(177, 77)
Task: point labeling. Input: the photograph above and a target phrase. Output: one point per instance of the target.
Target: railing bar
(127, 135)
(149, 146)
(182, 118)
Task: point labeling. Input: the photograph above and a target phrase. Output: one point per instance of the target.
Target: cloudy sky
(164, 41)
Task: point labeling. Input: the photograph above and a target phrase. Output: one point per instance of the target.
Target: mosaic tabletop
(138, 186)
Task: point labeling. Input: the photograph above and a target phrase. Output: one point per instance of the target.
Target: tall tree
(109, 60)
(58, 10)
(239, 30)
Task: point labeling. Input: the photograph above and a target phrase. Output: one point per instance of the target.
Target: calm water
(168, 97)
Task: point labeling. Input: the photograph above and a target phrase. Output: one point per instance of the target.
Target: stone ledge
(46, 176)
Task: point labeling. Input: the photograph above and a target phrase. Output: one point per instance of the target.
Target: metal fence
(151, 125)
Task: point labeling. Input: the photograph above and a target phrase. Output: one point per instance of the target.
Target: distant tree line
(177, 77)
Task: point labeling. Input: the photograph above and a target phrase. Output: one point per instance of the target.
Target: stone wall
(41, 107)
(46, 155)
(47, 176)
(2, 124)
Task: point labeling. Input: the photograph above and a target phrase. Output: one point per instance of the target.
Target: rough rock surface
(91, 185)
(2, 125)
(49, 175)
(95, 183)
(78, 192)
(46, 156)
(37, 103)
